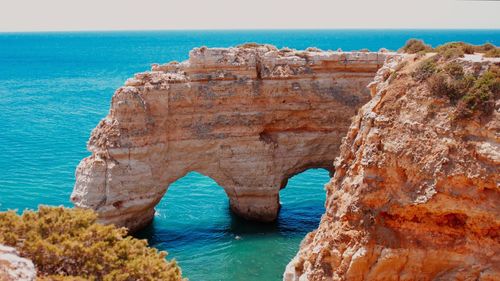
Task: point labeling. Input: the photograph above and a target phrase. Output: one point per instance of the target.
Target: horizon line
(249, 29)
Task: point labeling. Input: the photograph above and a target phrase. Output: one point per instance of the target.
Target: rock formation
(416, 192)
(248, 117)
(13, 267)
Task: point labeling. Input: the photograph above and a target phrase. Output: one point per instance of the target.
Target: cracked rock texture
(415, 195)
(13, 267)
(249, 117)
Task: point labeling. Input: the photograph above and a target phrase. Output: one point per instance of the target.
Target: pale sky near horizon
(78, 15)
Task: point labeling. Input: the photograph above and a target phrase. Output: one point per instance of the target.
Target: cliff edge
(416, 190)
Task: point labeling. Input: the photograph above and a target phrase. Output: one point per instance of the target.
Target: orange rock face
(415, 195)
(248, 117)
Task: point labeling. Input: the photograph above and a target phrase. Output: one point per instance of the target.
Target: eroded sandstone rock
(248, 117)
(415, 195)
(13, 267)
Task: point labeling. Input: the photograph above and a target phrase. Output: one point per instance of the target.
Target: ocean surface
(55, 87)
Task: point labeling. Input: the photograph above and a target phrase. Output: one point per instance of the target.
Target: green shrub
(425, 69)
(495, 69)
(446, 77)
(485, 91)
(454, 69)
(68, 244)
(493, 53)
(464, 83)
(249, 45)
(457, 47)
(473, 94)
(414, 46)
(440, 85)
(486, 47)
(452, 53)
(489, 82)
(468, 49)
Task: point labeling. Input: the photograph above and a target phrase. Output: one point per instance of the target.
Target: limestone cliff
(416, 191)
(13, 267)
(248, 117)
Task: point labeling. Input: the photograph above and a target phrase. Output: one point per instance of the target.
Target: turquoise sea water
(55, 87)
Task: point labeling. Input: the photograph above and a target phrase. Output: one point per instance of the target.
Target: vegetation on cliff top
(414, 46)
(473, 92)
(450, 50)
(68, 245)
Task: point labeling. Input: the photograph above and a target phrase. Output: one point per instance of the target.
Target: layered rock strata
(13, 267)
(416, 191)
(249, 117)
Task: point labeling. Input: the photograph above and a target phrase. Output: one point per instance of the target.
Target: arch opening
(181, 201)
(327, 166)
(303, 200)
(189, 222)
(194, 224)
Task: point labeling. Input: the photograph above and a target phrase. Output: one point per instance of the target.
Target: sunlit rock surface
(248, 117)
(13, 267)
(415, 195)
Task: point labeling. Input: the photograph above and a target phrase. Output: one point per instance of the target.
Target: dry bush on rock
(68, 245)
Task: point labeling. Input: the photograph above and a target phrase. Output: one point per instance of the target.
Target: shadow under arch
(327, 166)
(195, 225)
(303, 200)
(302, 203)
(188, 212)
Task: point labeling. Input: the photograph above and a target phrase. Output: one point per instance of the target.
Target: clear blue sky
(63, 15)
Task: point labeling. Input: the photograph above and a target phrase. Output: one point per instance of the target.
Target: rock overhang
(249, 117)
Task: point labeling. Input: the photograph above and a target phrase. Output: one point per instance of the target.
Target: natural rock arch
(248, 117)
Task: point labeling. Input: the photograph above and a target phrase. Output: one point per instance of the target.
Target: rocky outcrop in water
(248, 117)
(416, 190)
(13, 267)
